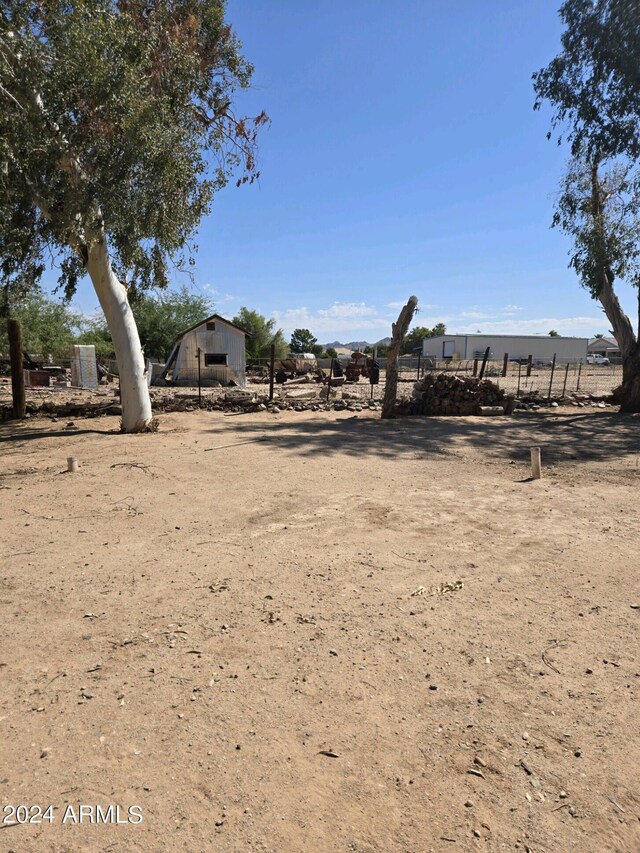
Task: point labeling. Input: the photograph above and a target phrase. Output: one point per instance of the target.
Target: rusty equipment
(360, 365)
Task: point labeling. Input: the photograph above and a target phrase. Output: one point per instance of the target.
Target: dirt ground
(322, 632)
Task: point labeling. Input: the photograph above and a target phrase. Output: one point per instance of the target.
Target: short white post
(72, 464)
(536, 467)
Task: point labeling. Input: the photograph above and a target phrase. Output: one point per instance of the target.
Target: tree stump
(398, 331)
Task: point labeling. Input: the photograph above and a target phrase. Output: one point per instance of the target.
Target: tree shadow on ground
(16, 431)
(596, 436)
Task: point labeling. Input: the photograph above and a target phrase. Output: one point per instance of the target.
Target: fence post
(505, 364)
(529, 365)
(519, 374)
(553, 370)
(17, 371)
(272, 367)
(484, 361)
(329, 382)
(418, 374)
(475, 367)
(566, 376)
(199, 391)
(579, 372)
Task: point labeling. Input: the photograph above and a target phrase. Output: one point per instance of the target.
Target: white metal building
(222, 354)
(541, 347)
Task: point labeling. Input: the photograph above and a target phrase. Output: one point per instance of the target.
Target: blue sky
(404, 156)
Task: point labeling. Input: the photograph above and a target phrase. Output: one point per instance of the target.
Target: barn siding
(225, 339)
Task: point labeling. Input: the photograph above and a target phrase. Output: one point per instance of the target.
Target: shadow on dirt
(563, 438)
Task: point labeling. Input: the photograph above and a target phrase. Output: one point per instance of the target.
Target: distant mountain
(358, 345)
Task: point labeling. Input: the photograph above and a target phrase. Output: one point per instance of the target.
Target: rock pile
(235, 402)
(446, 394)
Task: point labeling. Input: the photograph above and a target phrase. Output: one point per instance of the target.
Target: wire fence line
(520, 379)
(546, 380)
(561, 381)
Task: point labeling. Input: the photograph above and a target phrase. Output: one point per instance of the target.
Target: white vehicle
(597, 359)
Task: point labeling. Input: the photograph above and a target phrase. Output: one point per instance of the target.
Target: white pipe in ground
(536, 464)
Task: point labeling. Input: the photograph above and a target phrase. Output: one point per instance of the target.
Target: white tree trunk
(134, 391)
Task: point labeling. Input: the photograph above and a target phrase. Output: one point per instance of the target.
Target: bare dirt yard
(321, 632)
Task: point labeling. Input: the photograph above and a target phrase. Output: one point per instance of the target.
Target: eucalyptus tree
(117, 126)
(598, 207)
(593, 87)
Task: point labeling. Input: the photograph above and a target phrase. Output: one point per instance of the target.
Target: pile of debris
(446, 394)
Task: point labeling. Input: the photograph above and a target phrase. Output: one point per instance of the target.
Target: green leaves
(116, 117)
(599, 208)
(48, 326)
(593, 84)
(159, 318)
(415, 337)
(263, 335)
(303, 341)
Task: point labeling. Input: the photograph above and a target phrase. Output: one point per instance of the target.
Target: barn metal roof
(181, 334)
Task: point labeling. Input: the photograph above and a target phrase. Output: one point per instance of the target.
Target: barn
(211, 352)
(542, 348)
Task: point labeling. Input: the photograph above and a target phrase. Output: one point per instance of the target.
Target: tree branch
(10, 96)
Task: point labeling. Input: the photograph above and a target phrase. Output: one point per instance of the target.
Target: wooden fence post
(484, 361)
(566, 376)
(553, 370)
(505, 364)
(272, 367)
(17, 371)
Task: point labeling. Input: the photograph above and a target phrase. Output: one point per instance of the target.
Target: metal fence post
(199, 391)
(272, 367)
(553, 370)
(566, 376)
(579, 372)
(329, 382)
(484, 361)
